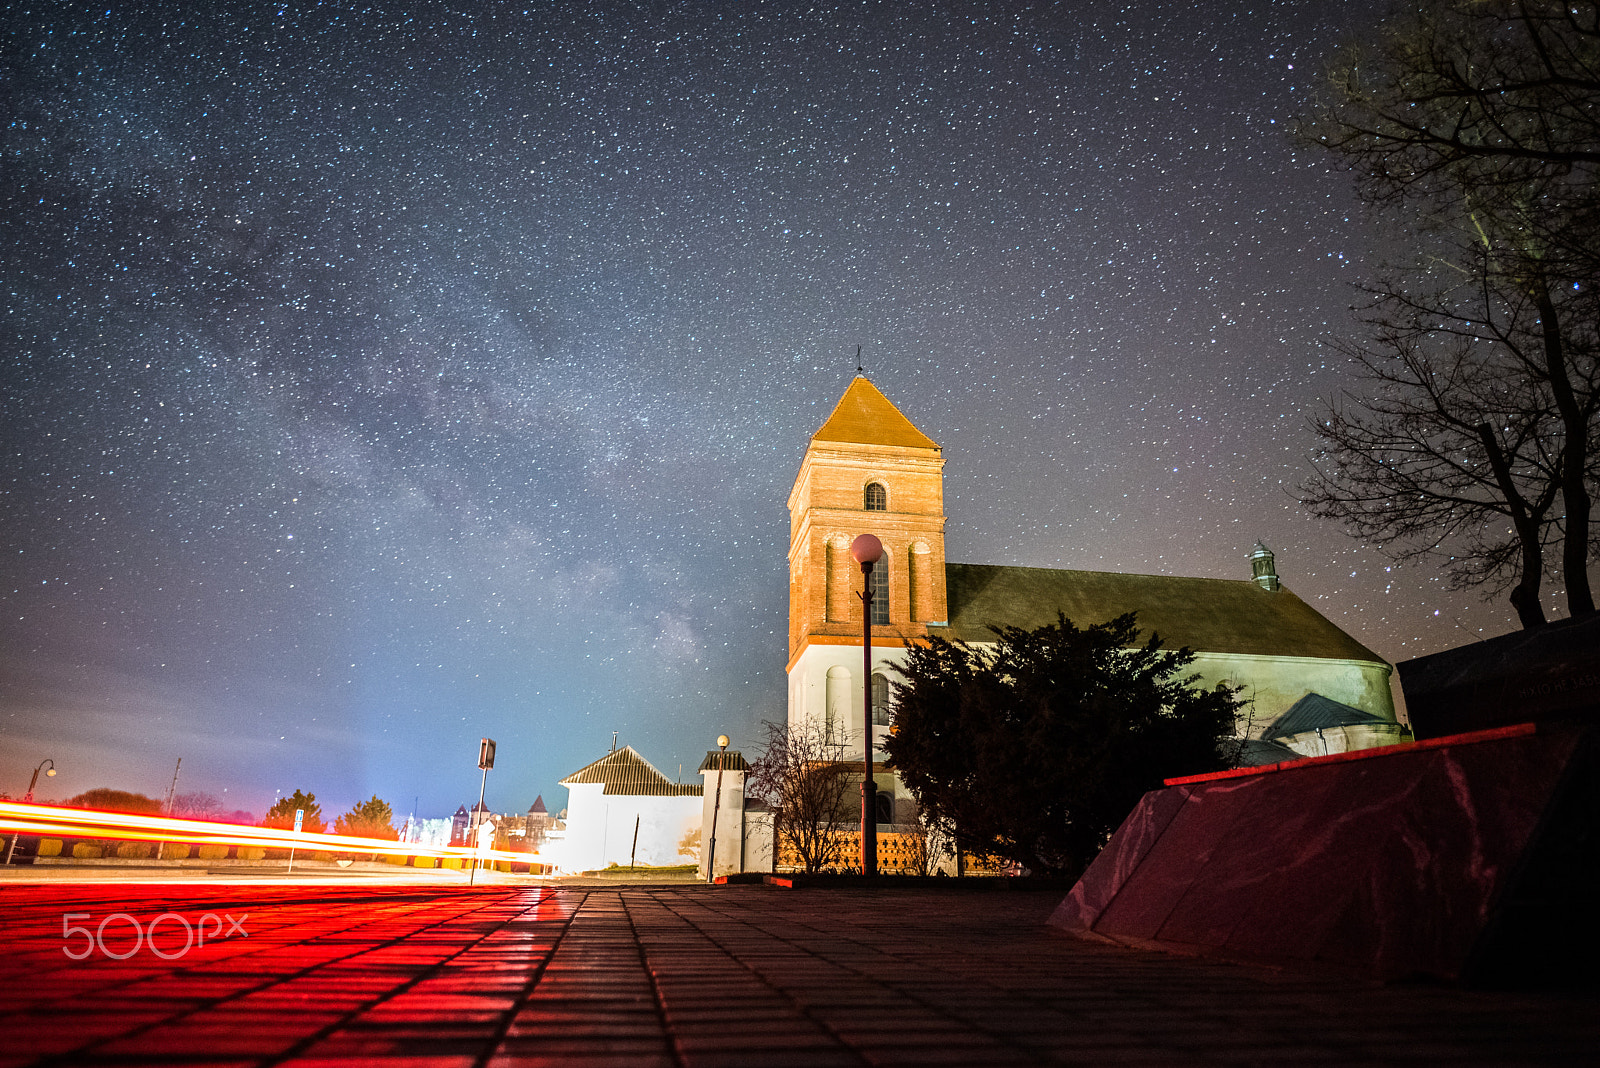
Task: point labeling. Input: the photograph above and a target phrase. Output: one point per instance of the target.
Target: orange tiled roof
(865, 416)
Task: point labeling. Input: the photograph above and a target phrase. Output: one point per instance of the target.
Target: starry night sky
(376, 377)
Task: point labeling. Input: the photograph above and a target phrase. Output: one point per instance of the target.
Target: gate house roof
(1207, 615)
(625, 772)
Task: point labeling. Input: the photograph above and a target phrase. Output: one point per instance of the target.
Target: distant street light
(50, 773)
(867, 551)
(716, 803)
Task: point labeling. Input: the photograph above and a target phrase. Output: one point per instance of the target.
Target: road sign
(300, 817)
(486, 753)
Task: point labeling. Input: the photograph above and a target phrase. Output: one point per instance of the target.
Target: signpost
(485, 761)
(299, 821)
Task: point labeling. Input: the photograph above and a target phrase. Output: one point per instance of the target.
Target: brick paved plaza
(689, 975)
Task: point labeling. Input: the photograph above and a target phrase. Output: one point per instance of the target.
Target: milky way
(380, 378)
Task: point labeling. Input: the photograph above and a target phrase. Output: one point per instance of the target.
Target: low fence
(899, 853)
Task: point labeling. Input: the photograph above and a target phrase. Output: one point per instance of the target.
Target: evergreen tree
(1036, 749)
(281, 814)
(368, 819)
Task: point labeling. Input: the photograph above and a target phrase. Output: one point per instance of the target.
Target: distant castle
(518, 833)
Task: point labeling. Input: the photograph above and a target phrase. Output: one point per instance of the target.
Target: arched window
(877, 498)
(885, 807)
(836, 701)
(880, 700)
(880, 591)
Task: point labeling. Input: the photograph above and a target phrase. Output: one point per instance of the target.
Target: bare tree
(198, 806)
(926, 844)
(1456, 445)
(1480, 119)
(1501, 97)
(801, 774)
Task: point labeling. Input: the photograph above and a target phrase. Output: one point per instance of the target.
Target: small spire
(859, 369)
(1263, 569)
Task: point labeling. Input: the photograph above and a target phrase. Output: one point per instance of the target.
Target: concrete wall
(600, 828)
(1329, 740)
(730, 843)
(758, 840)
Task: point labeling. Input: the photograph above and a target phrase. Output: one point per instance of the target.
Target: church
(1309, 688)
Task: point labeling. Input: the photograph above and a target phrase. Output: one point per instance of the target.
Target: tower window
(880, 591)
(877, 498)
(880, 700)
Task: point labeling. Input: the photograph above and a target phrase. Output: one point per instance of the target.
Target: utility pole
(172, 792)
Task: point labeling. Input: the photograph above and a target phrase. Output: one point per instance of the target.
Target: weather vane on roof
(859, 369)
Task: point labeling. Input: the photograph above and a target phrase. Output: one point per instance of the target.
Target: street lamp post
(716, 803)
(867, 551)
(50, 773)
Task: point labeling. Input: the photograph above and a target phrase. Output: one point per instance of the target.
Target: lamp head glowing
(722, 741)
(866, 549)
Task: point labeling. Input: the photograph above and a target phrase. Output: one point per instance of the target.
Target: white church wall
(1273, 683)
(827, 675)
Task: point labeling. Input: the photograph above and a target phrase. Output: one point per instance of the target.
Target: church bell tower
(868, 470)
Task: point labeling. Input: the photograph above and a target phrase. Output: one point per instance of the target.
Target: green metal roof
(1313, 711)
(733, 761)
(1207, 615)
